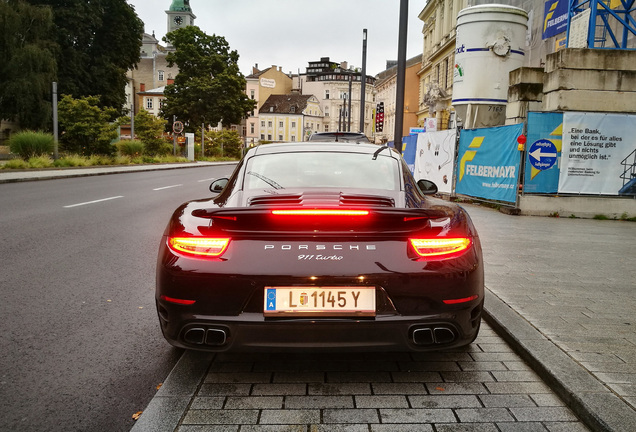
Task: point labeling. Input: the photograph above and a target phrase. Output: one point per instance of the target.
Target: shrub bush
(40, 162)
(130, 148)
(16, 164)
(30, 144)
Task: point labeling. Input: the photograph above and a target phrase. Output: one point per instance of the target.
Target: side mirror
(217, 185)
(427, 187)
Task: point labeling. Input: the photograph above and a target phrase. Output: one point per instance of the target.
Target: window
(280, 124)
(326, 94)
(160, 75)
(269, 137)
(149, 103)
(244, 130)
(280, 137)
(326, 111)
(269, 124)
(292, 109)
(293, 125)
(263, 123)
(293, 137)
(326, 128)
(251, 128)
(252, 94)
(262, 136)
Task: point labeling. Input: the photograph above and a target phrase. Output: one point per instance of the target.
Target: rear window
(321, 170)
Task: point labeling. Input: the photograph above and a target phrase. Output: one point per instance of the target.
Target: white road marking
(206, 180)
(93, 202)
(167, 187)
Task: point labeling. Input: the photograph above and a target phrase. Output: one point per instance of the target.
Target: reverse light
(199, 246)
(440, 247)
(320, 212)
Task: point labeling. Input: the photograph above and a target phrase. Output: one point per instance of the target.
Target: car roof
(316, 146)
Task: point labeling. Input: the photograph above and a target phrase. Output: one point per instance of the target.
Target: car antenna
(375, 155)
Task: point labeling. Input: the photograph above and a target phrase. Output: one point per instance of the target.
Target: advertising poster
(545, 134)
(409, 147)
(555, 17)
(435, 159)
(595, 148)
(488, 163)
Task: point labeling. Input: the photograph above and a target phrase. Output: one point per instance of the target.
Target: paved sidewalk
(564, 295)
(561, 292)
(10, 176)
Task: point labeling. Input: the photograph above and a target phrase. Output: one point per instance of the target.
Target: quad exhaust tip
(202, 336)
(433, 336)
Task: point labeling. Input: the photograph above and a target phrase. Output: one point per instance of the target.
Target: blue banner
(409, 150)
(555, 17)
(488, 163)
(545, 135)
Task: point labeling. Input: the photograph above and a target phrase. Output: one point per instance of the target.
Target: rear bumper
(253, 332)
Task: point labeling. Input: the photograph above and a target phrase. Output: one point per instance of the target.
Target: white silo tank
(490, 42)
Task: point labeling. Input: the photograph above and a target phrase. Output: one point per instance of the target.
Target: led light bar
(320, 212)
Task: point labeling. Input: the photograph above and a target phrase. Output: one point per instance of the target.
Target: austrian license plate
(320, 301)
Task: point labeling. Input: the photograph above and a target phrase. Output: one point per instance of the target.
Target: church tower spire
(180, 15)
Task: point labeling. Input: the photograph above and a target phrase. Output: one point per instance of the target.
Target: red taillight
(461, 300)
(440, 247)
(320, 212)
(199, 246)
(177, 301)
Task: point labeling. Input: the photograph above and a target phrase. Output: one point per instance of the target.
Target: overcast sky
(291, 33)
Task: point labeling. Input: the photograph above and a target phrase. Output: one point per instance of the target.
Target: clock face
(178, 20)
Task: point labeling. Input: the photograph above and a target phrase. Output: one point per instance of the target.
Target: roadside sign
(177, 127)
(543, 154)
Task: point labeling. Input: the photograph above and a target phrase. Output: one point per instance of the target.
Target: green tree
(85, 128)
(225, 143)
(99, 42)
(209, 87)
(149, 129)
(27, 64)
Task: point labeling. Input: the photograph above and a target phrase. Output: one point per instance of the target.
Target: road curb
(597, 406)
(61, 173)
(169, 405)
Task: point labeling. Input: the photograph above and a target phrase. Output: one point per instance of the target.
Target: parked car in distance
(351, 137)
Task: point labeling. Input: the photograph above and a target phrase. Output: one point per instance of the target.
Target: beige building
(386, 91)
(436, 72)
(289, 117)
(329, 82)
(260, 85)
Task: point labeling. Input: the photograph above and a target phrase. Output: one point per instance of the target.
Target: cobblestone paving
(483, 387)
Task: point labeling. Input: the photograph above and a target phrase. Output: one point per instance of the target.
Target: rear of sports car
(328, 271)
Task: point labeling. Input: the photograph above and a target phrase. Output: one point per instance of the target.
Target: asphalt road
(80, 342)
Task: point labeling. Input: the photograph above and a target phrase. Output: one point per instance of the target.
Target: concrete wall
(583, 206)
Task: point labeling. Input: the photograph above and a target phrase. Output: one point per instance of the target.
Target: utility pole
(132, 122)
(401, 75)
(363, 79)
(55, 131)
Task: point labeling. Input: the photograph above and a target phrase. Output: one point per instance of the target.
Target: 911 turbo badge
(338, 259)
(321, 247)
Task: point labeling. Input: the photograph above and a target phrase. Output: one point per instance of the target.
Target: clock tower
(180, 15)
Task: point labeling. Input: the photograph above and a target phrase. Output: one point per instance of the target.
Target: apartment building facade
(338, 90)
(260, 85)
(289, 117)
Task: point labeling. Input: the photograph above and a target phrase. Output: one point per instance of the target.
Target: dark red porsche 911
(330, 246)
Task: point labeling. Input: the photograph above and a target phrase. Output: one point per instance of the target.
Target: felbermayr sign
(555, 18)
